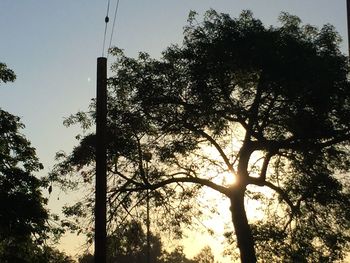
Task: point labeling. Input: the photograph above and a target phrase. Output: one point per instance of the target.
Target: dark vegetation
(25, 223)
(129, 245)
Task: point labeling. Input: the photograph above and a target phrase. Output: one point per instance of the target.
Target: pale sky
(52, 46)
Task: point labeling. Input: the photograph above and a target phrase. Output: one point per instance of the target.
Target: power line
(113, 26)
(106, 23)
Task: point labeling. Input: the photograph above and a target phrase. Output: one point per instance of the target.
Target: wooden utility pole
(101, 162)
(348, 19)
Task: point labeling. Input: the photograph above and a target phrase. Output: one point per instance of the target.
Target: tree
(128, 244)
(51, 255)
(24, 219)
(177, 255)
(6, 74)
(205, 256)
(269, 106)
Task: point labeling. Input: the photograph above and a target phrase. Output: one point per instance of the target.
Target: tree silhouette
(271, 104)
(204, 256)
(24, 219)
(128, 245)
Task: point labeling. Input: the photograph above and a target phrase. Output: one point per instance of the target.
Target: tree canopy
(128, 244)
(24, 218)
(269, 106)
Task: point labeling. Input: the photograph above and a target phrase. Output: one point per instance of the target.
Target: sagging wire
(106, 25)
(113, 26)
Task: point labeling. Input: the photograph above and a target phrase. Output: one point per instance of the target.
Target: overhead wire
(106, 25)
(113, 26)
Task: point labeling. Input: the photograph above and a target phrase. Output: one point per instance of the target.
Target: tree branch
(283, 194)
(263, 171)
(293, 143)
(212, 141)
(128, 180)
(142, 171)
(194, 180)
(254, 109)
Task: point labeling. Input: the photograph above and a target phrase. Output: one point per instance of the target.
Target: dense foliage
(268, 106)
(129, 245)
(24, 219)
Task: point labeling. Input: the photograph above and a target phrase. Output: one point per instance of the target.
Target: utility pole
(348, 19)
(101, 163)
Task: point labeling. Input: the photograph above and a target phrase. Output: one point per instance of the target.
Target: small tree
(204, 256)
(268, 106)
(128, 245)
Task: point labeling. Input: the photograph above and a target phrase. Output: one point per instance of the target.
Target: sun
(229, 178)
(224, 178)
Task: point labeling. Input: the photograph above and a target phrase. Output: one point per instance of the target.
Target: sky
(53, 45)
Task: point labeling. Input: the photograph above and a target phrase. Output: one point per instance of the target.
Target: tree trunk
(243, 232)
